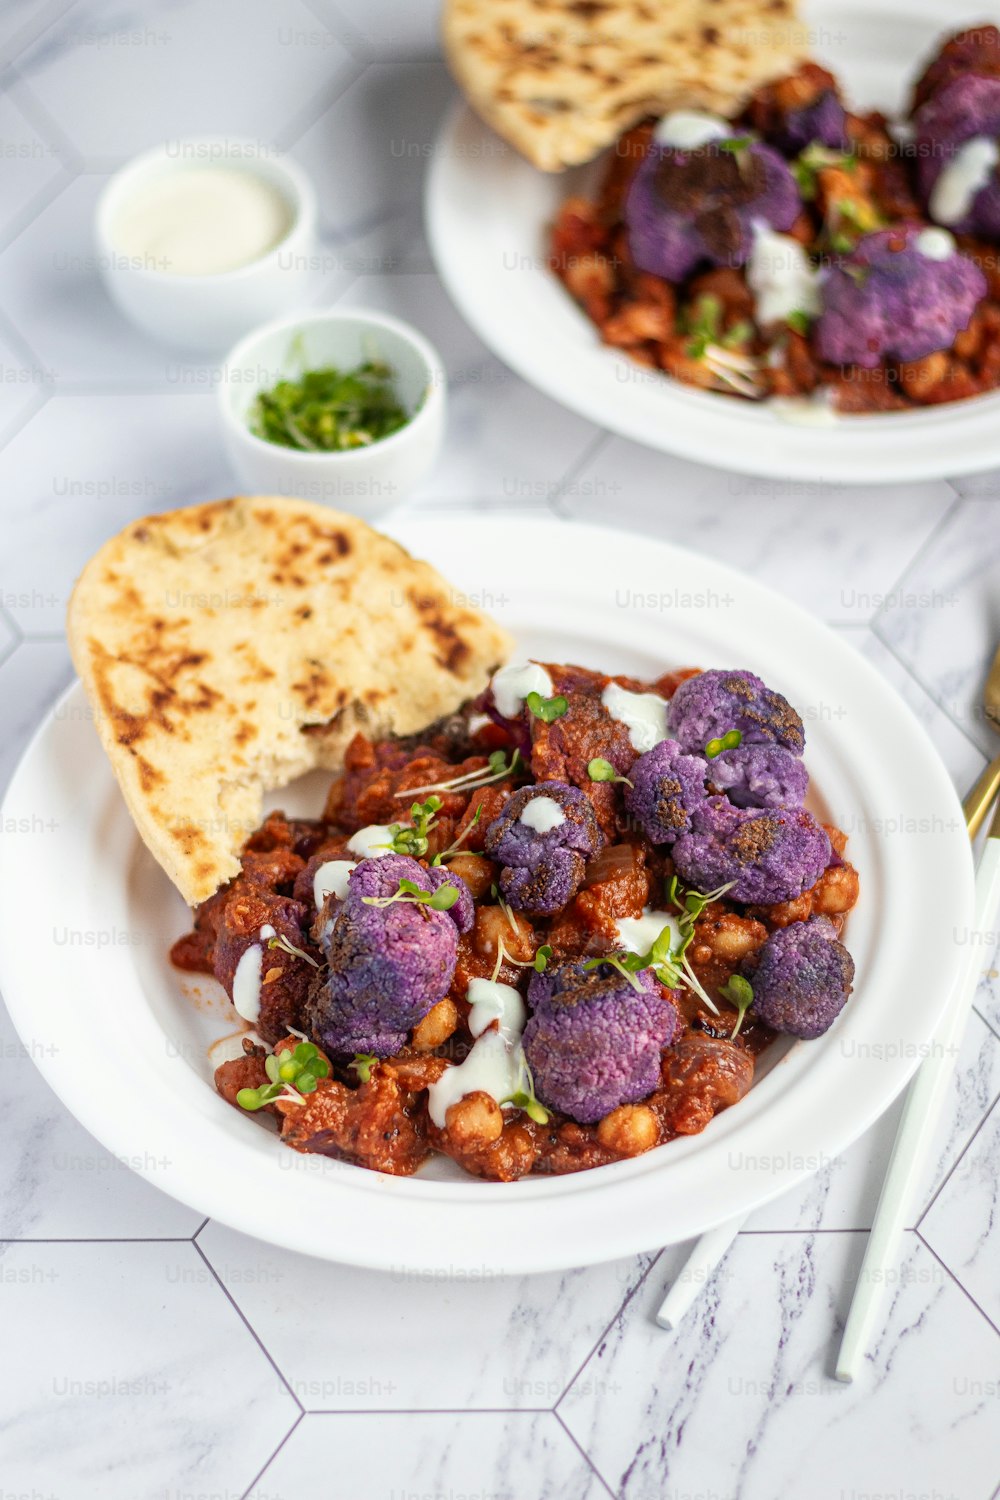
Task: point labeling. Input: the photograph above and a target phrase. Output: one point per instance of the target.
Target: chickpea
(836, 891)
(729, 937)
(436, 1027)
(492, 924)
(629, 1129)
(477, 873)
(475, 1121)
(784, 913)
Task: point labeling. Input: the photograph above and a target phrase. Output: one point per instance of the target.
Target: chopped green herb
(546, 709)
(740, 992)
(292, 1073)
(329, 410)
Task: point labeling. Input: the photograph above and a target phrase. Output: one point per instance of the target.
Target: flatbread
(228, 648)
(561, 79)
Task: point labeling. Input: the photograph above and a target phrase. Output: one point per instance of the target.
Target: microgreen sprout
(625, 964)
(799, 322)
(293, 1073)
(495, 893)
(546, 709)
(540, 962)
(703, 323)
(287, 947)
(603, 770)
(813, 160)
(496, 769)
(411, 838)
(524, 1096)
(728, 741)
(454, 848)
(362, 1064)
(409, 893)
(740, 992)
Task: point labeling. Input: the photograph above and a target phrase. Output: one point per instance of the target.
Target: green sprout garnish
(740, 333)
(799, 322)
(495, 893)
(363, 1064)
(411, 838)
(667, 959)
(850, 220)
(454, 848)
(409, 893)
(286, 947)
(546, 709)
(496, 769)
(625, 964)
(728, 741)
(329, 410)
(603, 770)
(704, 321)
(293, 1073)
(524, 1096)
(740, 992)
(812, 161)
(540, 962)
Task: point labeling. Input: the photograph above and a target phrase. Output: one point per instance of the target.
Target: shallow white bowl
(209, 312)
(124, 1040)
(488, 211)
(364, 481)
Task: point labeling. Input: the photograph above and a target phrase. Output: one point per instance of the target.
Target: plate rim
(520, 1257)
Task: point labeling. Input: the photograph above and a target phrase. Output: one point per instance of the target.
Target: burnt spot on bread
(452, 650)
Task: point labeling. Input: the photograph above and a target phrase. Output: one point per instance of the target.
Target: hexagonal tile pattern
(160, 70)
(153, 1358)
(392, 115)
(949, 595)
(517, 1351)
(738, 1401)
(182, 1393)
(166, 451)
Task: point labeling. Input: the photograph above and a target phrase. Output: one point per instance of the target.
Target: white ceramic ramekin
(365, 481)
(209, 312)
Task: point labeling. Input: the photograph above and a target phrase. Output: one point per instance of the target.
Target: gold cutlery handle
(977, 803)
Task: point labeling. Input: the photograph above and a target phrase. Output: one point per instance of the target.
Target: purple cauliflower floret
(544, 857)
(667, 785)
(824, 122)
(801, 978)
(766, 854)
(890, 299)
(688, 207)
(710, 705)
(964, 109)
(593, 1041)
(388, 964)
(760, 776)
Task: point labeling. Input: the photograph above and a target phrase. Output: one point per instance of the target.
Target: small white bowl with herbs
(342, 407)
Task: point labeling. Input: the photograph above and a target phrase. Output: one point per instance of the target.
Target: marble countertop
(152, 1356)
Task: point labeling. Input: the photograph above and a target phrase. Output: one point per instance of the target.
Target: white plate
(487, 214)
(86, 919)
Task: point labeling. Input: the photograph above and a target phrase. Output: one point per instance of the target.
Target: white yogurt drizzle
(781, 277)
(542, 814)
(643, 714)
(476, 722)
(963, 179)
(935, 244)
(246, 980)
(331, 880)
(687, 129)
(493, 1001)
(638, 934)
(512, 684)
(371, 842)
(493, 1066)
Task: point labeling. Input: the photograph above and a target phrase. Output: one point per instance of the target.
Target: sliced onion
(613, 861)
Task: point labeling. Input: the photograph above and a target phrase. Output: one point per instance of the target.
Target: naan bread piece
(561, 79)
(228, 648)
